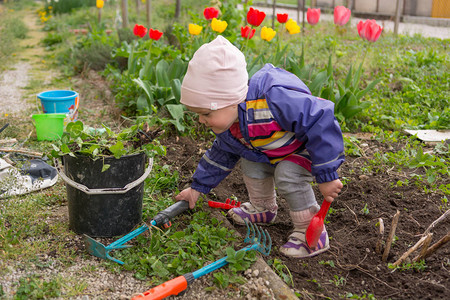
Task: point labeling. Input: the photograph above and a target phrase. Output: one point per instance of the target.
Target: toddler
(282, 135)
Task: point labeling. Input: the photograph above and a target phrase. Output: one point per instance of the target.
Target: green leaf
(369, 87)
(118, 149)
(348, 78)
(177, 69)
(161, 73)
(357, 76)
(330, 67)
(142, 104)
(65, 148)
(105, 167)
(240, 255)
(176, 88)
(75, 128)
(147, 89)
(317, 83)
(176, 111)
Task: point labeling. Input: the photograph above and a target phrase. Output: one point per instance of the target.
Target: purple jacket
(277, 101)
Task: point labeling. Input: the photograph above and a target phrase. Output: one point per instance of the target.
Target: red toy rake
(227, 205)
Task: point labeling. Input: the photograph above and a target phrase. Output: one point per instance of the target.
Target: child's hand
(330, 190)
(189, 195)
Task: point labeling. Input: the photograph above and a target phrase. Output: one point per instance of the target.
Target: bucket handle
(103, 191)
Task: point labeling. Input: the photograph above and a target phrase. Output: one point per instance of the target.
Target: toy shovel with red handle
(315, 227)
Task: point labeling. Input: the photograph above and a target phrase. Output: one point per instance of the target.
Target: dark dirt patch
(352, 265)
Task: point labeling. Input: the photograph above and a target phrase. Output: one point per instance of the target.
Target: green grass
(12, 30)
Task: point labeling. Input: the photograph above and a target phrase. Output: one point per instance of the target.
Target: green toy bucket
(49, 127)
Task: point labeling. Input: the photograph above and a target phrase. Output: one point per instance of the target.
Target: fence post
(298, 9)
(303, 17)
(124, 13)
(398, 9)
(138, 7)
(148, 8)
(350, 4)
(274, 4)
(177, 9)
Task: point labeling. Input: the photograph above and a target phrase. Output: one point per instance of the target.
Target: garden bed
(353, 266)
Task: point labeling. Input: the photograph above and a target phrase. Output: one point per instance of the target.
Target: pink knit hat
(216, 76)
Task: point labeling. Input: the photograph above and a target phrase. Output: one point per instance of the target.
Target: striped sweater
(280, 120)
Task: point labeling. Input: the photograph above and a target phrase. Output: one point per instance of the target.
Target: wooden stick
(435, 222)
(437, 245)
(8, 141)
(391, 235)
(22, 151)
(379, 245)
(410, 250)
(425, 246)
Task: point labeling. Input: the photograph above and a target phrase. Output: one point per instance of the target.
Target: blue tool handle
(128, 237)
(218, 263)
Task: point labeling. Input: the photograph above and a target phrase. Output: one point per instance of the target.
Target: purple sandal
(249, 212)
(297, 246)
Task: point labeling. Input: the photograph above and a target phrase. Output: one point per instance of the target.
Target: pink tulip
(313, 15)
(341, 15)
(369, 30)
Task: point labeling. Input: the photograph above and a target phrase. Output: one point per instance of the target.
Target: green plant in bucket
(96, 143)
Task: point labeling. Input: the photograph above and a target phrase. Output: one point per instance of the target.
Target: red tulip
(247, 32)
(282, 18)
(341, 15)
(255, 17)
(154, 34)
(313, 15)
(369, 30)
(210, 13)
(139, 30)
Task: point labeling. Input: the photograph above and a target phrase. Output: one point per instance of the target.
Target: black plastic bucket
(108, 214)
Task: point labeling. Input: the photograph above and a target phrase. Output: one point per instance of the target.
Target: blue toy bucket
(60, 101)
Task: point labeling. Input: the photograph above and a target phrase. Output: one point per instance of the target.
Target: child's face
(218, 120)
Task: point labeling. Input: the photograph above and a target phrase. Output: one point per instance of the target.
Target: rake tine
(247, 236)
(258, 231)
(263, 244)
(267, 246)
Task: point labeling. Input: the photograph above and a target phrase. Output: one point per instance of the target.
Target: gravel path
(11, 84)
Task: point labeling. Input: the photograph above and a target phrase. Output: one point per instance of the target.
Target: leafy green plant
(327, 263)
(365, 210)
(363, 296)
(282, 270)
(78, 140)
(419, 266)
(37, 288)
(338, 281)
(178, 250)
(240, 260)
(66, 6)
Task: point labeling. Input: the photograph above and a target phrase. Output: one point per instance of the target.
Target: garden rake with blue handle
(260, 241)
(162, 219)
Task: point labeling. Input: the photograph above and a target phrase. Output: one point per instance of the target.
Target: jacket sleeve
(313, 122)
(213, 167)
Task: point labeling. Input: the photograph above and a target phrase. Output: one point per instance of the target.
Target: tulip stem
(147, 59)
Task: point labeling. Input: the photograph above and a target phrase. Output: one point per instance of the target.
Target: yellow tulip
(218, 25)
(292, 26)
(195, 29)
(267, 33)
(100, 4)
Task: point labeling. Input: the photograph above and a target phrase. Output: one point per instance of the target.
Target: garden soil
(353, 265)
